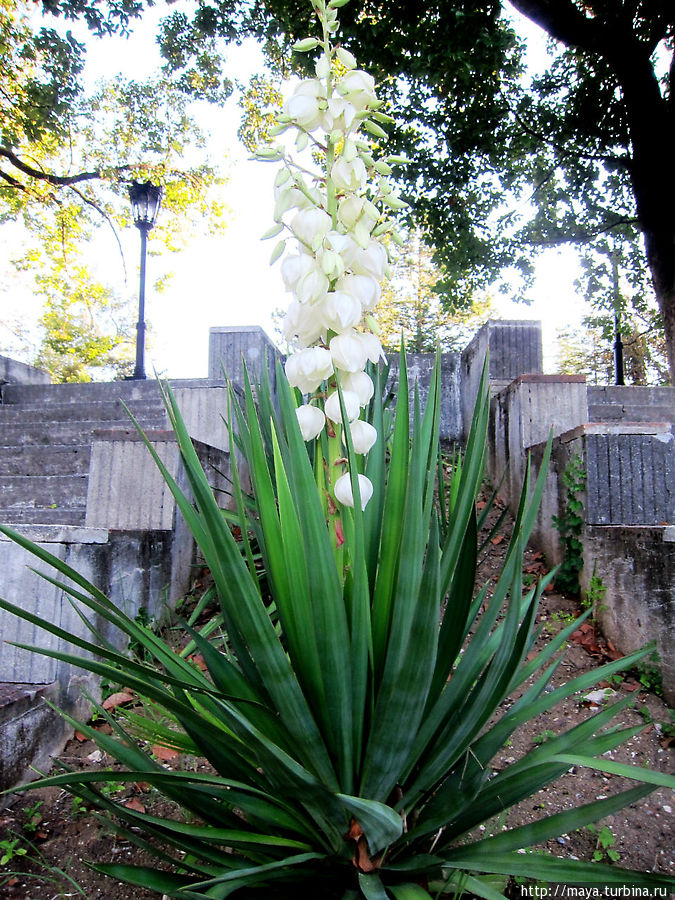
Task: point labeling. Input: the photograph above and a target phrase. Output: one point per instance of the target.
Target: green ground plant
(349, 738)
(570, 525)
(604, 845)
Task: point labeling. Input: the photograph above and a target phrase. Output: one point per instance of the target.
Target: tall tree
(67, 156)
(590, 142)
(410, 304)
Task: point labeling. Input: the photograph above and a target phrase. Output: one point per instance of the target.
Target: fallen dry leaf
(497, 539)
(198, 660)
(134, 804)
(117, 699)
(164, 753)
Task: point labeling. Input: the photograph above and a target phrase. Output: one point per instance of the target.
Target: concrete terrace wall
(70, 456)
(14, 372)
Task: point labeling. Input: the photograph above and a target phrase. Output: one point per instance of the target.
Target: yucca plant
(350, 720)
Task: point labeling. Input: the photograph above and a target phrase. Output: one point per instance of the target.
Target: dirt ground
(59, 837)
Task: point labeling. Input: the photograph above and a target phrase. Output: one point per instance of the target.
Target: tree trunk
(660, 251)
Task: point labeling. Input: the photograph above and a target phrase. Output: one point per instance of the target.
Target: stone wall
(14, 372)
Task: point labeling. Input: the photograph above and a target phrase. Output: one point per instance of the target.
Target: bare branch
(107, 218)
(49, 177)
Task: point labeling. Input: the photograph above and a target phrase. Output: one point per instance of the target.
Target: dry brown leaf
(164, 753)
(117, 699)
(134, 804)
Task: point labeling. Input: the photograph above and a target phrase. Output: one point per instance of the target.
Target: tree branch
(49, 177)
(15, 183)
(609, 158)
(107, 218)
(563, 21)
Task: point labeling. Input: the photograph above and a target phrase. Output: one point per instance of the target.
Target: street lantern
(145, 202)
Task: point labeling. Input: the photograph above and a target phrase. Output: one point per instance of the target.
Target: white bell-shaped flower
(370, 261)
(341, 114)
(349, 175)
(364, 287)
(294, 267)
(358, 87)
(373, 347)
(311, 421)
(312, 287)
(340, 311)
(352, 407)
(344, 244)
(350, 210)
(360, 383)
(308, 368)
(306, 105)
(348, 351)
(303, 324)
(310, 225)
(363, 435)
(344, 494)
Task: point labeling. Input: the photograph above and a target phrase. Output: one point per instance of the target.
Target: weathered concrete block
(515, 349)
(637, 568)
(85, 550)
(204, 411)
(14, 372)
(523, 415)
(631, 403)
(232, 347)
(630, 478)
(31, 733)
(420, 369)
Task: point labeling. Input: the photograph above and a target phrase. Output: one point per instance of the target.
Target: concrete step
(43, 491)
(129, 391)
(45, 460)
(42, 516)
(614, 412)
(103, 410)
(68, 432)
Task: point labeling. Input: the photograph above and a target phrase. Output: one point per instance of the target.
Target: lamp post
(145, 202)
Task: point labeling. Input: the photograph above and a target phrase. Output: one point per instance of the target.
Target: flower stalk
(338, 218)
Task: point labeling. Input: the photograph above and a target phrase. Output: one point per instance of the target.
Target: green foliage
(32, 816)
(570, 525)
(649, 675)
(261, 103)
(604, 848)
(11, 849)
(349, 738)
(582, 144)
(410, 306)
(67, 157)
(594, 596)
